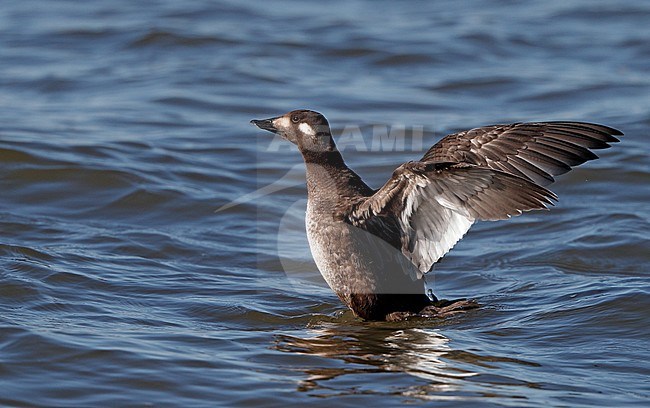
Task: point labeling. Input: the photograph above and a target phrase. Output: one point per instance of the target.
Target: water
(124, 126)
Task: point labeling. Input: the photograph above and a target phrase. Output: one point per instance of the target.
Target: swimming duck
(374, 248)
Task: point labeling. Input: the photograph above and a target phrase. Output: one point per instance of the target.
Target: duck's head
(305, 128)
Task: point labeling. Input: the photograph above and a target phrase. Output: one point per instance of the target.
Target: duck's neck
(329, 179)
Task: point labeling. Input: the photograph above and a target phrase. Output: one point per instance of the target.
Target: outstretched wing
(487, 173)
(435, 204)
(536, 151)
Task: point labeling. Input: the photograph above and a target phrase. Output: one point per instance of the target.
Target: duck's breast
(353, 260)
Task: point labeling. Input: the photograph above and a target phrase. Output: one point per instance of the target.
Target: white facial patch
(281, 123)
(306, 129)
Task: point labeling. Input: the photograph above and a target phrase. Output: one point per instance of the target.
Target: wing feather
(487, 173)
(435, 204)
(536, 151)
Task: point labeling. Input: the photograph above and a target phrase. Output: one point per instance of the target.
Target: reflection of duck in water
(346, 354)
(373, 247)
(414, 351)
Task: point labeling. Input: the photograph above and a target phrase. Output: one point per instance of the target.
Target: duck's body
(373, 247)
(367, 272)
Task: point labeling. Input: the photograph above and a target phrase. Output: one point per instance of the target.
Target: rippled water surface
(124, 126)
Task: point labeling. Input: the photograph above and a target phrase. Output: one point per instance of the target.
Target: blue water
(124, 126)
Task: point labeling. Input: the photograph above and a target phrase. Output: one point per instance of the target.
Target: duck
(376, 247)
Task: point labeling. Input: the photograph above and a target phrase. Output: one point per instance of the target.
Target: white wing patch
(436, 225)
(306, 129)
(430, 221)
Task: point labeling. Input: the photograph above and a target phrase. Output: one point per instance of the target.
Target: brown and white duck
(374, 247)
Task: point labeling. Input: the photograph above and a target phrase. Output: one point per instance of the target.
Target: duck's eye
(295, 119)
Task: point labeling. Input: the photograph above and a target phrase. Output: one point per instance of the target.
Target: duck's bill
(265, 124)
